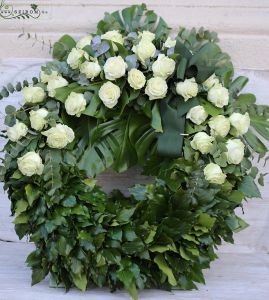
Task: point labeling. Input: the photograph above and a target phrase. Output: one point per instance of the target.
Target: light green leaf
(80, 281)
(156, 121)
(32, 193)
(206, 220)
(161, 263)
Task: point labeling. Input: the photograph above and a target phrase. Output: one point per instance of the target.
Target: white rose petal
(210, 82)
(75, 58)
(240, 123)
(187, 89)
(144, 50)
(33, 94)
(236, 150)
(17, 131)
(214, 174)
(56, 83)
(136, 79)
(44, 77)
(156, 88)
(85, 41)
(59, 136)
(163, 66)
(30, 164)
(197, 114)
(146, 35)
(202, 142)
(115, 67)
(90, 69)
(114, 36)
(38, 118)
(75, 104)
(219, 126)
(169, 43)
(109, 93)
(218, 95)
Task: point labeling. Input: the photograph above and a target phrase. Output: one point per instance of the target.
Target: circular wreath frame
(165, 233)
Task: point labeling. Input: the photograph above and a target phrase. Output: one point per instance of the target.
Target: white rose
(210, 82)
(56, 83)
(136, 79)
(169, 43)
(144, 50)
(38, 118)
(44, 77)
(30, 164)
(33, 94)
(85, 41)
(236, 150)
(59, 136)
(146, 35)
(214, 174)
(90, 69)
(114, 36)
(197, 114)
(202, 142)
(114, 68)
(187, 89)
(163, 66)
(240, 123)
(219, 126)
(17, 131)
(109, 93)
(218, 95)
(75, 104)
(75, 57)
(156, 88)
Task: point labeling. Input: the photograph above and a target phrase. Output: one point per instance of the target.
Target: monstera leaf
(118, 144)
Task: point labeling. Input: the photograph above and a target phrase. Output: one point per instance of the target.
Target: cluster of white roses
(57, 137)
(237, 124)
(115, 67)
(156, 87)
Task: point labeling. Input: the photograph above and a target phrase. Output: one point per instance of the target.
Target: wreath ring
(178, 114)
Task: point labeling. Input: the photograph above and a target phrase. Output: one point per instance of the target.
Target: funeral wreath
(132, 95)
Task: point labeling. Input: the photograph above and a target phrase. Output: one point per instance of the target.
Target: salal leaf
(249, 187)
(161, 263)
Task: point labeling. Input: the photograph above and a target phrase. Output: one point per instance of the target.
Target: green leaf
(161, 263)
(21, 206)
(62, 47)
(80, 281)
(211, 109)
(38, 275)
(236, 196)
(21, 219)
(206, 220)
(10, 109)
(70, 201)
(261, 125)
(125, 214)
(76, 265)
(249, 187)
(237, 85)
(254, 142)
(162, 248)
(156, 121)
(32, 193)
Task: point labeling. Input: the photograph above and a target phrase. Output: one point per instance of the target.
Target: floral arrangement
(128, 95)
